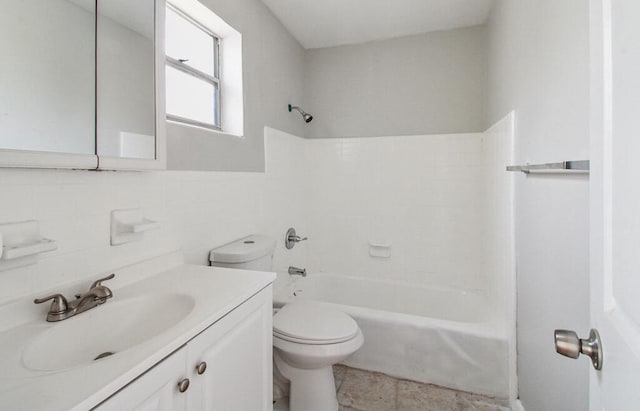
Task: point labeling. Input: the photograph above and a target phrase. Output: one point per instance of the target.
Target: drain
(103, 355)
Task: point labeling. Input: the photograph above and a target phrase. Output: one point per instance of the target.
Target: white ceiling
(328, 23)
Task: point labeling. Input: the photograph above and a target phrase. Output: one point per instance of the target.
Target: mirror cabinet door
(47, 76)
(126, 101)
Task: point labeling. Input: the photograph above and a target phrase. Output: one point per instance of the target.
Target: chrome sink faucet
(297, 271)
(61, 309)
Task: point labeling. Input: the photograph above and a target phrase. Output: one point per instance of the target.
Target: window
(203, 72)
(192, 71)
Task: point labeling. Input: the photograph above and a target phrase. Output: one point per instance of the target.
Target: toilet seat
(314, 324)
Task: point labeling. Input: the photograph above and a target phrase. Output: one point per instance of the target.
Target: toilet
(308, 337)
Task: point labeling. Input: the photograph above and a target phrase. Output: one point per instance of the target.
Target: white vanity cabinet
(228, 365)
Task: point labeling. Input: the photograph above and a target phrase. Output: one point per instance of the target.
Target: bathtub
(441, 336)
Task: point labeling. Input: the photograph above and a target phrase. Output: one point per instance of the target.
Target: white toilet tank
(250, 253)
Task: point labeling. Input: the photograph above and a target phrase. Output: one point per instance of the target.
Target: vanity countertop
(215, 292)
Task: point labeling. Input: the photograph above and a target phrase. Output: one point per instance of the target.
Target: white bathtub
(446, 337)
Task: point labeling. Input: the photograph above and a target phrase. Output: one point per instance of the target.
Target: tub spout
(297, 271)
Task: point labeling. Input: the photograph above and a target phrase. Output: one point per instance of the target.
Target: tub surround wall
(421, 195)
(498, 248)
(498, 243)
(286, 196)
(429, 197)
(410, 85)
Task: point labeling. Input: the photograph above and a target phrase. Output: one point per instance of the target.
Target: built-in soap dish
(129, 225)
(379, 250)
(20, 243)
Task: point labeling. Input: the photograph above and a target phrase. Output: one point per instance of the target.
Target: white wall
(272, 78)
(539, 66)
(432, 83)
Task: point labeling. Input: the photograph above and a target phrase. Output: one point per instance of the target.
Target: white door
(615, 202)
(156, 390)
(230, 362)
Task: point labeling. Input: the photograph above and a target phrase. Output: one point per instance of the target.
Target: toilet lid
(313, 323)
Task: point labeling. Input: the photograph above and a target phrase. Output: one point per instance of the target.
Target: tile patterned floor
(360, 390)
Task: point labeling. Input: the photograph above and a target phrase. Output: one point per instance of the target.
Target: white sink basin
(105, 330)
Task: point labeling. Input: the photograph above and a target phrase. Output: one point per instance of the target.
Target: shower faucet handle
(291, 238)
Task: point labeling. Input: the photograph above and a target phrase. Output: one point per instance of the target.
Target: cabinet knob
(201, 368)
(183, 385)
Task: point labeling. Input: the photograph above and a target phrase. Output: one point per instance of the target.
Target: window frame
(215, 80)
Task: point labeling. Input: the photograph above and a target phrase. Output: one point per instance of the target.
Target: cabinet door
(237, 351)
(155, 390)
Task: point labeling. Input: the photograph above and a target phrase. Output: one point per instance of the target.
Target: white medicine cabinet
(82, 84)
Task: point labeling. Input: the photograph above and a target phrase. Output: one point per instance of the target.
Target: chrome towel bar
(571, 166)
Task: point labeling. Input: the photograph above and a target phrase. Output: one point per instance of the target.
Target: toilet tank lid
(244, 250)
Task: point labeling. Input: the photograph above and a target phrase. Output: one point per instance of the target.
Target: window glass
(188, 43)
(189, 97)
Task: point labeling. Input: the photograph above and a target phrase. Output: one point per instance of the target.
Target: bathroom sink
(104, 331)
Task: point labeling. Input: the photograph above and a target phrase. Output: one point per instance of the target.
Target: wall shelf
(580, 166)
(130, 225)
(20, 243)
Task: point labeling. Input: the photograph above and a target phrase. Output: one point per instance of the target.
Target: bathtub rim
(493, 327)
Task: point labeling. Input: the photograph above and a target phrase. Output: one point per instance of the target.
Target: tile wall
(442, 202)
(422, 195)
(197, 211)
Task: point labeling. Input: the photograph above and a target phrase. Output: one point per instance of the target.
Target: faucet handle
(59, 304)
(98, 283)
(291, 238)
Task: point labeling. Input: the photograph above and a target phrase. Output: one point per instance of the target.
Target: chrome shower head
(306, 116)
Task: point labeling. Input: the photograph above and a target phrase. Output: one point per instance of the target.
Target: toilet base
(310, 390)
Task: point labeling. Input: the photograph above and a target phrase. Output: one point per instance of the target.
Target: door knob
(569, 345)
